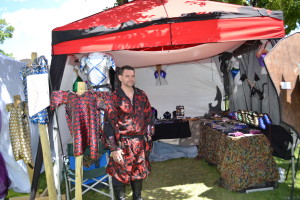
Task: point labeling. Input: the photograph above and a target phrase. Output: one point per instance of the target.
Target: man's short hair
(121, 70)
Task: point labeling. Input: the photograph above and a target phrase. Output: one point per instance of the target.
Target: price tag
(285, 85)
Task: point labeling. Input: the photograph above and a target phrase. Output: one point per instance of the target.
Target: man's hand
(149, 138)
(117, 156)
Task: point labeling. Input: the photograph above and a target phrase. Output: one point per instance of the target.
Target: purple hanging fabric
(4, 180)
(261, 60)
(0, 120)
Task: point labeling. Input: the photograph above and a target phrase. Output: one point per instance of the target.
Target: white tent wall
(191, 84)
(11, 85)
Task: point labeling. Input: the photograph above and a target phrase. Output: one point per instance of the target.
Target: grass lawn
(187, 178)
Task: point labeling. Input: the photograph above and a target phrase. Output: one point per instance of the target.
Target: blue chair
(94, 177)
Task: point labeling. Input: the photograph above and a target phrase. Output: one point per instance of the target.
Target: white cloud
(33, 26)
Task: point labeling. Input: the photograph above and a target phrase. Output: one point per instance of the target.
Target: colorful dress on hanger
(83, 118)
(96, 65)
(39, 66)
(19, 132)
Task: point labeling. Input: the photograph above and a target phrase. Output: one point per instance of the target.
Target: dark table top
(170, 129)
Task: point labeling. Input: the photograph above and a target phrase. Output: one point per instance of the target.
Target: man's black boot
(119, 192)
(136, 189)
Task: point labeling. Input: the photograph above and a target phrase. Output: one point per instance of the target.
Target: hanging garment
(39, 66)
(83, 117)
(20, 133)
(96, 65)
(4, 179)
(160, 75)
(0, 120)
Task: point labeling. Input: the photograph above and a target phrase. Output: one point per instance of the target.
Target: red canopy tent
(162, 27)
(149, 32)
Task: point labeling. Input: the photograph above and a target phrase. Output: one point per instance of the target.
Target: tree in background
(121, 2)
(118, 3)
(290, 8)
(6, 31)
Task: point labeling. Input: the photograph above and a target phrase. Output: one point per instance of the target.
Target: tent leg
(63, 157)
(294, 168)
(36, 172)
(294, 172)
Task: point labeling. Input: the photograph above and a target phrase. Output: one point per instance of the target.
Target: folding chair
(94, 177)
(284, 141)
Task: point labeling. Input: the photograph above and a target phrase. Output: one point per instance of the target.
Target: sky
(34, 20)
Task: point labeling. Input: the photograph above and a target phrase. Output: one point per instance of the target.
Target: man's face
(128, 78)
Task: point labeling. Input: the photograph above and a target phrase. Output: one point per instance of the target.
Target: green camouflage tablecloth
(243, 162)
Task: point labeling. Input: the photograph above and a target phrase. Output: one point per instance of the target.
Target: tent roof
(164, 25)
(150, 58)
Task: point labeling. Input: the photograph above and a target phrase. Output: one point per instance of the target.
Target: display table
(169, 129)
(243, 162)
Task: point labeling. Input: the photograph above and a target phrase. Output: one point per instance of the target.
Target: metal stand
(292, 163)
(296, 140)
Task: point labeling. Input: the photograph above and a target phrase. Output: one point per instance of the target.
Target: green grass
(192, 179)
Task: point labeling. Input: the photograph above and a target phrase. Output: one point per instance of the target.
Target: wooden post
(47, 158)
(45, 143)
(78, 177)
(79, 159)
(30, 173)
(33, 56)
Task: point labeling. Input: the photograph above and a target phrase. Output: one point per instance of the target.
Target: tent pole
(59, 148)
(63, 158)
(243, 83)
(245, 96)
(79, 159)
(244, 69)
(294, 169)
(36, 173)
